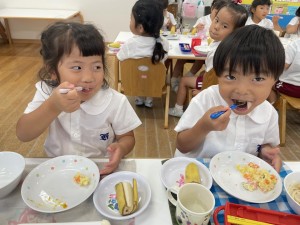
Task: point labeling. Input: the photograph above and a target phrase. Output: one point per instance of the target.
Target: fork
(216, 115)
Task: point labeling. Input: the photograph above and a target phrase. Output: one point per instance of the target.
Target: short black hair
(298, 12)
(218, 4)
(256, 3)
(239, 13)
(165, 3)
(252, 48)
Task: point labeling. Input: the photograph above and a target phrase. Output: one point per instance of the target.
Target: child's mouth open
(242, 106)
(86, 90)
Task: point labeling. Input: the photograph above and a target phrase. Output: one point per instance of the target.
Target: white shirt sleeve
(294, 21)
(172, 19)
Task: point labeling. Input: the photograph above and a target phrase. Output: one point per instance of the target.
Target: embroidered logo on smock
(104, 137)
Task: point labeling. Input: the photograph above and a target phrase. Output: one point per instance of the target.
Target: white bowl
(105, 199)
(289, 180)
(173, 171)
(12, 166)
(202, 49)
(50, 187)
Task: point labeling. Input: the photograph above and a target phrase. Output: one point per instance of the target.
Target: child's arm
(33, 124)
(292, 29)
(271, 155)
(275, 20)
(190, 139)
(118, 150)
(200, 27)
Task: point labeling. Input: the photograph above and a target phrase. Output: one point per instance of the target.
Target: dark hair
(252, 48)
(60, 38)
(298, 12)
(239, 13)
(256, 3)
(165, 3)
(149, 14)
(218, 4)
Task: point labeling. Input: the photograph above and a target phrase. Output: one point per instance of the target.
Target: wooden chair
(139, 77)
(209, 78)
(282, 104)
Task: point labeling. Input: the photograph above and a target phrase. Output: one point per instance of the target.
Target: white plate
(223, 169)
(105, 200)
(173, 171)
(202, 49)
(50, 187)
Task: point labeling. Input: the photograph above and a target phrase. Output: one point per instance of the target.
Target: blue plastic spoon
(216, 115)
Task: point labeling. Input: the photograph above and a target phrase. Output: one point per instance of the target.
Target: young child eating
(247, 64)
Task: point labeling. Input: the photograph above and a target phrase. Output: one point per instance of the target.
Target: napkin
(102, 222)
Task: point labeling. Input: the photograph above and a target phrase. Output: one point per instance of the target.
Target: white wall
(111, 16)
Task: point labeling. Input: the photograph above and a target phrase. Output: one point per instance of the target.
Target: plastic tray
(256, 214)
(185, 48)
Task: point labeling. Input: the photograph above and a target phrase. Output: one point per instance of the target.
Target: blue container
(185, 48)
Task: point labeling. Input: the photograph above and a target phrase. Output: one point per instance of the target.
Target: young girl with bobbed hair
(259, 10)
(73, 99)
(146, 21)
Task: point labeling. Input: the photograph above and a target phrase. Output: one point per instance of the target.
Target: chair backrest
(283, 103)
(209, 78)
(139, 77)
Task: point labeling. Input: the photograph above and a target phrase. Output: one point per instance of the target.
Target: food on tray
(257, 178)
(294, 191)
(81, 179)
(127, 197)
(192, 174)
(115, 45)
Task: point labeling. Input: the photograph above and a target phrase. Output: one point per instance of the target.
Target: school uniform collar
(98, 103)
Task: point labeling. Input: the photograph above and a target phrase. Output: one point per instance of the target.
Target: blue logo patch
(104, 137)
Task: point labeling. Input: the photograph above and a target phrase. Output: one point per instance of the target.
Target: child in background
(85, 117)
(289, 81)
(230, 17)
(202, 25)
(169, 20)
(259, 10)
(293, 26)
(146, 22)
(247, 64)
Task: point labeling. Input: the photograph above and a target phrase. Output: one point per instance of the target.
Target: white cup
(194, 204)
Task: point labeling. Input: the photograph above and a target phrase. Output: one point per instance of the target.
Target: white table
(173, 53)
(158, 209)
(41, 14)
(174, 50)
